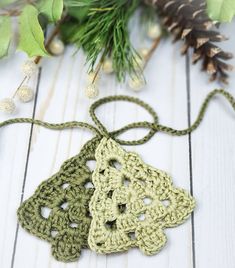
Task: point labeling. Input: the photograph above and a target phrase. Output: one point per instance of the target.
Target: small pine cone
(188, 20)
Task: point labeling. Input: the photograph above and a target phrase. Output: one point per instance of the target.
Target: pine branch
(105, 32)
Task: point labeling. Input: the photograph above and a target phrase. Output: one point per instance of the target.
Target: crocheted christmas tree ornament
(58, 211)
(132, 202)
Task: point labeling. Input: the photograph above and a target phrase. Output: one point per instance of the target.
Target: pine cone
(188, 20)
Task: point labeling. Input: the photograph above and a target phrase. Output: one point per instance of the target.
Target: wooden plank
(168, 97)
(213, 157)
(14, 147)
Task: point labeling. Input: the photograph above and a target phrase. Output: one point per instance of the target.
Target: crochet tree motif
(58, 211)
(132, 202)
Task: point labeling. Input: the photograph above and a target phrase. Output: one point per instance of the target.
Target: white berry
(107, 66)
(154, 31)
(56, 47)
(136, 83)
(7, 106)
(25, 94)
(143, 52)
(92, 91)
(29, 68)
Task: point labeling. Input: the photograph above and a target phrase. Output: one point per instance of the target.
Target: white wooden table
(202, 162)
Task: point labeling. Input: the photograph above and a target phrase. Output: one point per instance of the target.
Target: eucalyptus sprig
(31, 32)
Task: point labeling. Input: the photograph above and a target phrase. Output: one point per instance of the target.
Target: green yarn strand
(201, 114)
(153, 127)
(59, 126)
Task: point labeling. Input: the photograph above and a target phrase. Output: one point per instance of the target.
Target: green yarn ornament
(58, 211)
(132, 203)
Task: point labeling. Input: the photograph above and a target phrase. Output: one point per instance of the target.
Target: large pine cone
(188, 20)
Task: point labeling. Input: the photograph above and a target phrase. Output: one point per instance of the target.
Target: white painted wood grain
(61, 98)
(14, 146)
(213, 157)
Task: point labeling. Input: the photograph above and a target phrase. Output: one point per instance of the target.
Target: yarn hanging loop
(152, 126)
(201, 114)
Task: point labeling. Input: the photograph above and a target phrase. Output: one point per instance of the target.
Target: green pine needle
(105, 32)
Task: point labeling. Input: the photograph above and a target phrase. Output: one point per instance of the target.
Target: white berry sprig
(137, 81)
(92, 88)
(24, 93)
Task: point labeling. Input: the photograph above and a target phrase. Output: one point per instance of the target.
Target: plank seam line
(26, 166)
(188, 88)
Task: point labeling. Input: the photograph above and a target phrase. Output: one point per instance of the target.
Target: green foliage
(100, 27)
(67, 30)
(31, 34)
(30, 30)
(78, 9)
(221, 10)
(52, 9)
(105, 32)
(4, 3)
(5, 36)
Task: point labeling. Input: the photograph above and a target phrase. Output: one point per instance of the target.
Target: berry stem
(98, 67)
(37, 59)
(152, 49)
(20, 85)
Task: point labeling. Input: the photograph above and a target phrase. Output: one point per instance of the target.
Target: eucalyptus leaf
(5, 37)
(31, 34)
(52, 9)
(221, 10)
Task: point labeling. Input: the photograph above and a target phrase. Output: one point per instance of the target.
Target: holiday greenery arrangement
(123, 202)
(101, 29)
